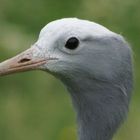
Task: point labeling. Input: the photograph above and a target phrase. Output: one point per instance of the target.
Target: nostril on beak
(24, 60)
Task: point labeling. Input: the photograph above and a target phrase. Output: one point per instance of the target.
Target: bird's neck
(100, 108)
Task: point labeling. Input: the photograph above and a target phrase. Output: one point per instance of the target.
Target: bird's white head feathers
(70, 47)
(100, 51)
(75, 26)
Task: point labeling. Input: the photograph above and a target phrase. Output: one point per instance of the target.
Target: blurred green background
(35, 105)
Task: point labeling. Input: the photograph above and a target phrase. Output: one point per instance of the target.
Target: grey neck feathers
(100, 107)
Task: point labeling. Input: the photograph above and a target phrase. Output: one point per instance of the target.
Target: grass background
(35, 105)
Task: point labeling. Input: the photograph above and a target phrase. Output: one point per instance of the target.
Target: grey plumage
(101, 101)
(98, 73)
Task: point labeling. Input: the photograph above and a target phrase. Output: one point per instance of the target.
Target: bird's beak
(25, 61)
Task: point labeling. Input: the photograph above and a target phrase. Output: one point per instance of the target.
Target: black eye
(72, 43)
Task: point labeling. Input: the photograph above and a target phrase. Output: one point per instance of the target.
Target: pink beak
(25, 61)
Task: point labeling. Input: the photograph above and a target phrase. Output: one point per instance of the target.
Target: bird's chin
(50, 67)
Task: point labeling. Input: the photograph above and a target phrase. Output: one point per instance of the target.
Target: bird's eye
(72, 43)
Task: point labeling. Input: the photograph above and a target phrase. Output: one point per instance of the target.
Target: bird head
(68, 47)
